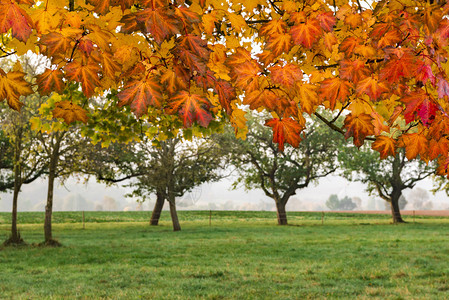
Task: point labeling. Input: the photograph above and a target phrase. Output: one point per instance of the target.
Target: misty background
(93, 196)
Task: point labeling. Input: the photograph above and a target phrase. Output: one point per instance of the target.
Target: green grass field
(242, 255)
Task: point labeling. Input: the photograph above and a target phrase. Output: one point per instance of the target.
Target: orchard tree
(383, 63)
(260, 164)
(388, 177)
(333, 203)
(167, 169)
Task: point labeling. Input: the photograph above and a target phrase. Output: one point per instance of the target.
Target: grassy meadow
(241, 255)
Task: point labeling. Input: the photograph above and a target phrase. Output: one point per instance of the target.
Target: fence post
(84, 226)
(210, 217)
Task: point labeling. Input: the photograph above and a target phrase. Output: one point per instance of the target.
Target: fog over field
(75, 196)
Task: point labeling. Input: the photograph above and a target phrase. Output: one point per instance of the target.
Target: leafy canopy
(383, 63)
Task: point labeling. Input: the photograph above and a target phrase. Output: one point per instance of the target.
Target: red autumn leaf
(70, 112)
(140, 94)
(285, 131)
(50, 81)
(191, 108)
(160, 23)
(306, 33)
(385, 145)
(261, 99)
(349, 44)
(13, 17)
(443, 88)
(353, 70)
(327, 20)
(226, 93)
(358, 127)
(246, 76)
(419, 105)
(399, 67)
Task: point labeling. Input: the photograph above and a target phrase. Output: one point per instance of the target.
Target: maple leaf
(226, 93)
(419, 104)
(279, 43)
(415, 144)
(329, 40)
(195, 45)
(140, 94)
(273, 27)
(349, 44)
(371, 87)
(186, 15)
(12, 86)
(359, 127)
(439, 127)
(261, 98)
(353, 70)
(327, 20)
(378, 123)
(86, 74)
(191, 107)
(385, 145)
(398, 67)
(55, 42)
(285, 130)
(386, 34)
(308, 97)
(70, 112)
(333, 89)
(286, 75)
(424, 73)
(443, 88)
(173, 81)
(437, 148)
(13, 17)
(110, 67)
(306, 33)
(246, 76)
(50, 81)
(160, 23)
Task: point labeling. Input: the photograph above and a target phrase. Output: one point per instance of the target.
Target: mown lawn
(243, 255)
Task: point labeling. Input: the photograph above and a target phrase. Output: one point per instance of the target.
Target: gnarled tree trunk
(174, 214)
(281, 213)
(157, 209)
(395, 210)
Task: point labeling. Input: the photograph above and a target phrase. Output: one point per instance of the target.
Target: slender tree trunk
(157, 209)
(174, 214)
(395, 211)
(281, 213)
(15, 237)
(49, 207)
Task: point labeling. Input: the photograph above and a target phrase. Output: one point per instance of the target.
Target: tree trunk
(174, 214)
(281, 213)
(49, 207)
(157, 209)
(395, 211)
(15, 237)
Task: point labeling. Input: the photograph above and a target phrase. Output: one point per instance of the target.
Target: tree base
(10, 242)
(50, 243)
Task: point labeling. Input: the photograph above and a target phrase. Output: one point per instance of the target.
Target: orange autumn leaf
(415, 144)
(285, 131)
(358, 127)
(70, 112)
(335, 89)
(385, 145)
(13, 17)
(50, 81)
(306, 33)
